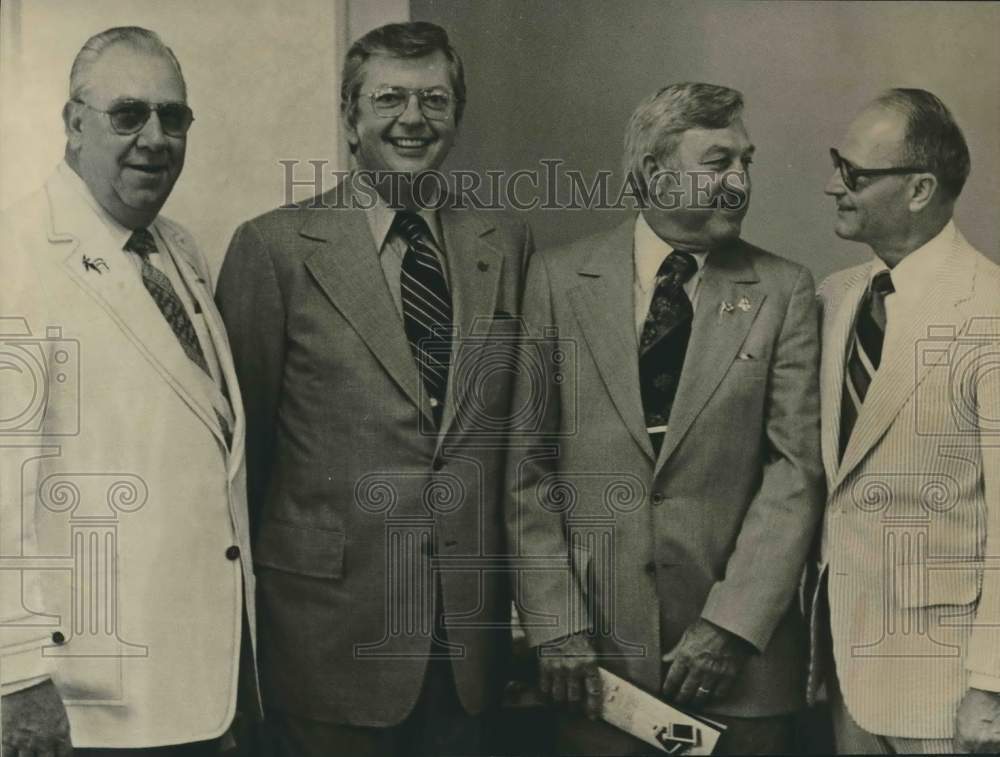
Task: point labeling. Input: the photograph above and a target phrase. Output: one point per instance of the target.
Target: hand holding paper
(568, 674)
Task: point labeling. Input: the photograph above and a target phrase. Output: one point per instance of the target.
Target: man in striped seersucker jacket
(910, 588)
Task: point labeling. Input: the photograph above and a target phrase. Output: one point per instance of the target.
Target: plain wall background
(263, 79)
(559, 80)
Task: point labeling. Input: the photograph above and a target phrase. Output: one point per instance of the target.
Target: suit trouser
(765, 735)
(438, 725)
(199, 749)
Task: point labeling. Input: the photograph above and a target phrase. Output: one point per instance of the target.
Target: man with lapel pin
(689, 429)
(375, 444)
(909, 596)
(131, 499)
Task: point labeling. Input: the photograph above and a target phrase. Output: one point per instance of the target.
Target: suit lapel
(200, 289)
(836, 341)
(346, 268)
(716, 334)
(603, 301)
(900, 373)
(118, 289)
(474, 268)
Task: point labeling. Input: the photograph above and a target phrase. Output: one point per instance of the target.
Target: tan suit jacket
(718, 525)
(118, 486)
(912, 528)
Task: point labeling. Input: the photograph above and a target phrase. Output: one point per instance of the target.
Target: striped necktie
(866, 353)
(664, 341)
(165, 296)
(427, 310)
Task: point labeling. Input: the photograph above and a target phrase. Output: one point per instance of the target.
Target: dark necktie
(866, 353)
(427, 311)
(165, 296)
(664, 341)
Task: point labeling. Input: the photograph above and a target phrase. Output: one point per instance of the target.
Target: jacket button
(651, 568)
(58, 638)
(232, 552)
(657, 498)
(438, 464)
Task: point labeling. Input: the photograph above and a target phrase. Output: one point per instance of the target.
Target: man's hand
(35, 723)
(977, 724)
(705, 664)
(567, 674)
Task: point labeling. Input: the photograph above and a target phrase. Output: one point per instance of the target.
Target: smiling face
(410, 142)
(877, 211)
(703, 188)
(130, 175)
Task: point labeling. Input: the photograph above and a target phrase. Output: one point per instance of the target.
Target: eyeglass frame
(849, 173)
(452, 101)
(153, 108)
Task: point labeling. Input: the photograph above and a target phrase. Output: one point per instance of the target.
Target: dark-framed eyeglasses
(850, 173)
(130, 116)
(436, 103)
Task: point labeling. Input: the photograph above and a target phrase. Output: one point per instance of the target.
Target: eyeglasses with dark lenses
(436, 103)
(130, 116)
(850, 173)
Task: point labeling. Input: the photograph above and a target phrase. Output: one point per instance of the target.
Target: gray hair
(657, 124)
(933, 139)
(135, 36)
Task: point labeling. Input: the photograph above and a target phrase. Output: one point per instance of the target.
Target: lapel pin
(94, 264)
(483, 266)
(743, 304)
(726, 307)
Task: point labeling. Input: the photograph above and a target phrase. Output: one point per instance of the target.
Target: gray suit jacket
(718, 525)
(360, 507)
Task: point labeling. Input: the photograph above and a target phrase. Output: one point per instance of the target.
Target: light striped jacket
(911, 541)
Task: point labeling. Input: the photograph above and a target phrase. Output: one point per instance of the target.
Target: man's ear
(348, 120)
(72, 114)
(923, 187)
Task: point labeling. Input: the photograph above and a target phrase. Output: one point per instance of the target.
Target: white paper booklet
(644, 716)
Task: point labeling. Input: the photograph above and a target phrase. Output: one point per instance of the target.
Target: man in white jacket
(124, 543)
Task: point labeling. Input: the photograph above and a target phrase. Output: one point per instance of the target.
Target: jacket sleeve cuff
(984, 682)
(733, 617)
(22, 669)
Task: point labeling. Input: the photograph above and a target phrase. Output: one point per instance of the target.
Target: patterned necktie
(664, 341)
(427, 311)
(165, 296)
(866, 353)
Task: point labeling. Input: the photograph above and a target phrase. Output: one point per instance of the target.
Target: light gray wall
(559, 80)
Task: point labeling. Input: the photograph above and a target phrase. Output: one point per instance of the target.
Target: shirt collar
(119, 234)
(380, 217)
(916, 272)
(650, 251)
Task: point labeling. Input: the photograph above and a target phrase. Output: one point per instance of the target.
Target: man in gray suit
(910, 595)
(357, 320)
(677, 466)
